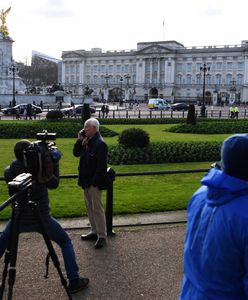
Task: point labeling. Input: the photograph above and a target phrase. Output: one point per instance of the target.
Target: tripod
(12, 246)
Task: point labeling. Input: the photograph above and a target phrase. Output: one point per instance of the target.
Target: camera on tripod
(41, 156)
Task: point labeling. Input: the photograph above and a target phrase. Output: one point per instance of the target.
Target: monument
(10, 82)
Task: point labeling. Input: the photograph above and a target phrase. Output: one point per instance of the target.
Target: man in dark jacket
(216, 244)
(92, 150)
(28, 222)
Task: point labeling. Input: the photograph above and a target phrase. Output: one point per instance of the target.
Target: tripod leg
(14, 237)
(50, 248)
(8, 233)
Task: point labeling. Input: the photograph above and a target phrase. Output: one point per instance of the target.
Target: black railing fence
(110, 190)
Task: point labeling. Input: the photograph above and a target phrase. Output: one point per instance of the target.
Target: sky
(53, 26)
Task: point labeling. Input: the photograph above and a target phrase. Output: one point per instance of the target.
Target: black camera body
(41, 156)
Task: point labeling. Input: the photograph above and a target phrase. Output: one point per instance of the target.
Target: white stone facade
(6, 76)
(168, 68)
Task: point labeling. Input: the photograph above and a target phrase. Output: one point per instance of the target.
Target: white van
(158, 103)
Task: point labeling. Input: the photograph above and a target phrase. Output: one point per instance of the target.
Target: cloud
(212, 11)
(55, 9)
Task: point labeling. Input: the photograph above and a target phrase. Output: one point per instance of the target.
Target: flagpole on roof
(163, 28)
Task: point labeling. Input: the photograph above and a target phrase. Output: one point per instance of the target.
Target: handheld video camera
(40, 157)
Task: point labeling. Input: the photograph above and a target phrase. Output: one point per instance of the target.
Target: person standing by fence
(92, 150)
(236, 112)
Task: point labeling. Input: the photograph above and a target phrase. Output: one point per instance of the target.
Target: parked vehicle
(179, 106)
(77, 109)
(158, 103)
(9, 111)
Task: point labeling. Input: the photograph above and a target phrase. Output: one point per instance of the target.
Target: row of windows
(218, 79)
(180, 67)
(101, 80)
(218, 66)
(101, 68)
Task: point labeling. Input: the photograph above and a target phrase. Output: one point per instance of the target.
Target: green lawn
(131, 194)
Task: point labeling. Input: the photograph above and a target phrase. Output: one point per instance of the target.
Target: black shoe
(89, 237)
(78, 284)
(100, 243)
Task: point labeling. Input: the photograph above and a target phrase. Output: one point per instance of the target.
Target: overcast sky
(53, 26)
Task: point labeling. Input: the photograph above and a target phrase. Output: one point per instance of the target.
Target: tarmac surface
(143, 260)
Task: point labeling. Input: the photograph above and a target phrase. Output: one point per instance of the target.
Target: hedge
(224, 127)
(165, 152)
(28, 129)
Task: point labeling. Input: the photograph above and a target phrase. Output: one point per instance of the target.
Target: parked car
(77, 109)
(179, 106)
(158, 103)
(12, 110)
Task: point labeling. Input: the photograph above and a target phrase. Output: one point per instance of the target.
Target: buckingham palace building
(165, 69)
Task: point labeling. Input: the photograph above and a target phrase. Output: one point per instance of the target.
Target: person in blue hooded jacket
(216, 243)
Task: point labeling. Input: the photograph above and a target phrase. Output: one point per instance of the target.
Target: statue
(3, 27)
(88, 91)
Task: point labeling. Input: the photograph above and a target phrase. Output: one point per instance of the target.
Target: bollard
(220, 114)
(109, 202)
(139, 114)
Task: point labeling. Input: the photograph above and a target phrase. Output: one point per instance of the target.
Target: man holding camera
(92, 150)
(29, 223)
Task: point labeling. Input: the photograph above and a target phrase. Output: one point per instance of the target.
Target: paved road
(138, 263)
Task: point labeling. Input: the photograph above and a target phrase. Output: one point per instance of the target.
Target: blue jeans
(57, 234)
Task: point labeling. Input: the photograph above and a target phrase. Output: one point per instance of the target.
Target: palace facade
(166, 69)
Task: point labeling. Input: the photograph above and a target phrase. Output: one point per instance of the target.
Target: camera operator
(28, 222)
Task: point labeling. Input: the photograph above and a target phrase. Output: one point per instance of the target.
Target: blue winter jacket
(216, 244)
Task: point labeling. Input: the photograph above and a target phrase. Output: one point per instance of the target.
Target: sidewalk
(178, 216)
(139, 262)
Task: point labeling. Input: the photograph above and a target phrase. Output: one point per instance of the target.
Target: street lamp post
(13, 69)
(204, 69)
(121, 81)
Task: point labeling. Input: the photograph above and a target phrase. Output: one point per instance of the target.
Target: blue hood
(222, 188)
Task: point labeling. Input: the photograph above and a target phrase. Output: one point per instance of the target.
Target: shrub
(28, 129)
(134, 137)
(165, 152)
(217, 127)
(54, 115)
